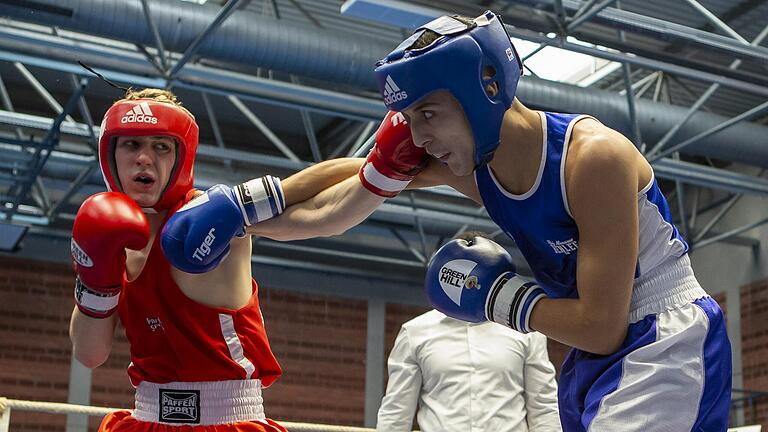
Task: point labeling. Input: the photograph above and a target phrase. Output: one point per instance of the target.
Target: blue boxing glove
(196, 238)
(476, 281)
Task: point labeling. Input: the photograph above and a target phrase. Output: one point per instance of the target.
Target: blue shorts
(672, 373)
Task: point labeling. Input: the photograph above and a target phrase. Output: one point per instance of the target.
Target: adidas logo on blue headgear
(455, 62)
(392, 92)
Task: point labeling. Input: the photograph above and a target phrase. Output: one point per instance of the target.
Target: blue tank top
(541, 224)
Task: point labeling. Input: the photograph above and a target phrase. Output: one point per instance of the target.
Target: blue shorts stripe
(715, 402)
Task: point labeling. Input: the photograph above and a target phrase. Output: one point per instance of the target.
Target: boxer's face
(439, 125)
(144, 165)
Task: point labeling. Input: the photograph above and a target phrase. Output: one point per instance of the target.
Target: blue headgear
(455, 62)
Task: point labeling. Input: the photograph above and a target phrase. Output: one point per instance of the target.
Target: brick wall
(35, 304)
(754, 347)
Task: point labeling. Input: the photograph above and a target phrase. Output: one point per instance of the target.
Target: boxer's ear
(492, 88)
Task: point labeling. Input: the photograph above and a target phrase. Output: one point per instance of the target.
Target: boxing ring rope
(7, 405)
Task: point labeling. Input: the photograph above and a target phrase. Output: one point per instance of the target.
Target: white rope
(65, 408)
(53, 407)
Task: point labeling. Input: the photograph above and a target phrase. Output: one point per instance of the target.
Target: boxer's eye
(162, 147)
(428, 114)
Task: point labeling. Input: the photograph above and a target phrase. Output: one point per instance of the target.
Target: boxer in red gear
(199, 350)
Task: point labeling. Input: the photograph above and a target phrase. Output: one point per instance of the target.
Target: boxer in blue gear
(612, 277)
(612, 274)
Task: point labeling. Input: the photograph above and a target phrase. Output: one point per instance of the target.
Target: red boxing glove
(394, 160)
(105, 225)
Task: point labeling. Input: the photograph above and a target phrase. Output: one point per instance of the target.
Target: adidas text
(140, 118)
(395, 97)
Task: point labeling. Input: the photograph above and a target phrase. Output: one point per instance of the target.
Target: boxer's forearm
(571, 322)
(91, 338)
(313, 180)
(331, 212)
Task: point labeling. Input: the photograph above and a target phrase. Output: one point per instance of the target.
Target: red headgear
(149, 117)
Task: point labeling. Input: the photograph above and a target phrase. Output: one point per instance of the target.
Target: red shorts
(121, 421)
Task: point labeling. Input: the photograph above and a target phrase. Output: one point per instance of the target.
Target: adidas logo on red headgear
(139, 114)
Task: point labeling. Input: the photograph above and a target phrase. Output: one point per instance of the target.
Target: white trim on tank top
(566, 141)
(647, 187)
(542, 163)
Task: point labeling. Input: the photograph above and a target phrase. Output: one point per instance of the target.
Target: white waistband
(665, 287)
(199, 403)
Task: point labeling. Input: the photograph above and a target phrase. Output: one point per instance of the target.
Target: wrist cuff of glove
(260, 199)
(511, 301)
(96, 304)
(382, 183)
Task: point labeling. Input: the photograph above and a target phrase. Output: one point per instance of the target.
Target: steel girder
(661, 29)
(398, 13)
(549, 95)
(729, 182)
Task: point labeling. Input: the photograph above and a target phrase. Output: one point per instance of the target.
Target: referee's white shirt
(468, 377)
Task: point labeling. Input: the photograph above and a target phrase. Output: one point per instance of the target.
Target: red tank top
(174, 338)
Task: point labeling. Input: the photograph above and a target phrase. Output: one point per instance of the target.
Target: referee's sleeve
(403, 387)
(540, 387)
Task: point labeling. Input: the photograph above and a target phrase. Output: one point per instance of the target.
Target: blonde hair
(158, 95)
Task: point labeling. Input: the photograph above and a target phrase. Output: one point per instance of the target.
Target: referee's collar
(446, 318)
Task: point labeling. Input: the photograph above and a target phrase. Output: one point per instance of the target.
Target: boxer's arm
(312, 180)
(390, 166)
(91, 338)
(403, 388)
(602, 196)
(201, 233)
(346, 204)
(540, 387)
(331, 212)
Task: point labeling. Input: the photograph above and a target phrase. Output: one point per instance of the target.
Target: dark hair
(470, 235)
(429, 36)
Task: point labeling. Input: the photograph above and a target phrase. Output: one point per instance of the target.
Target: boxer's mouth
(144, 178)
